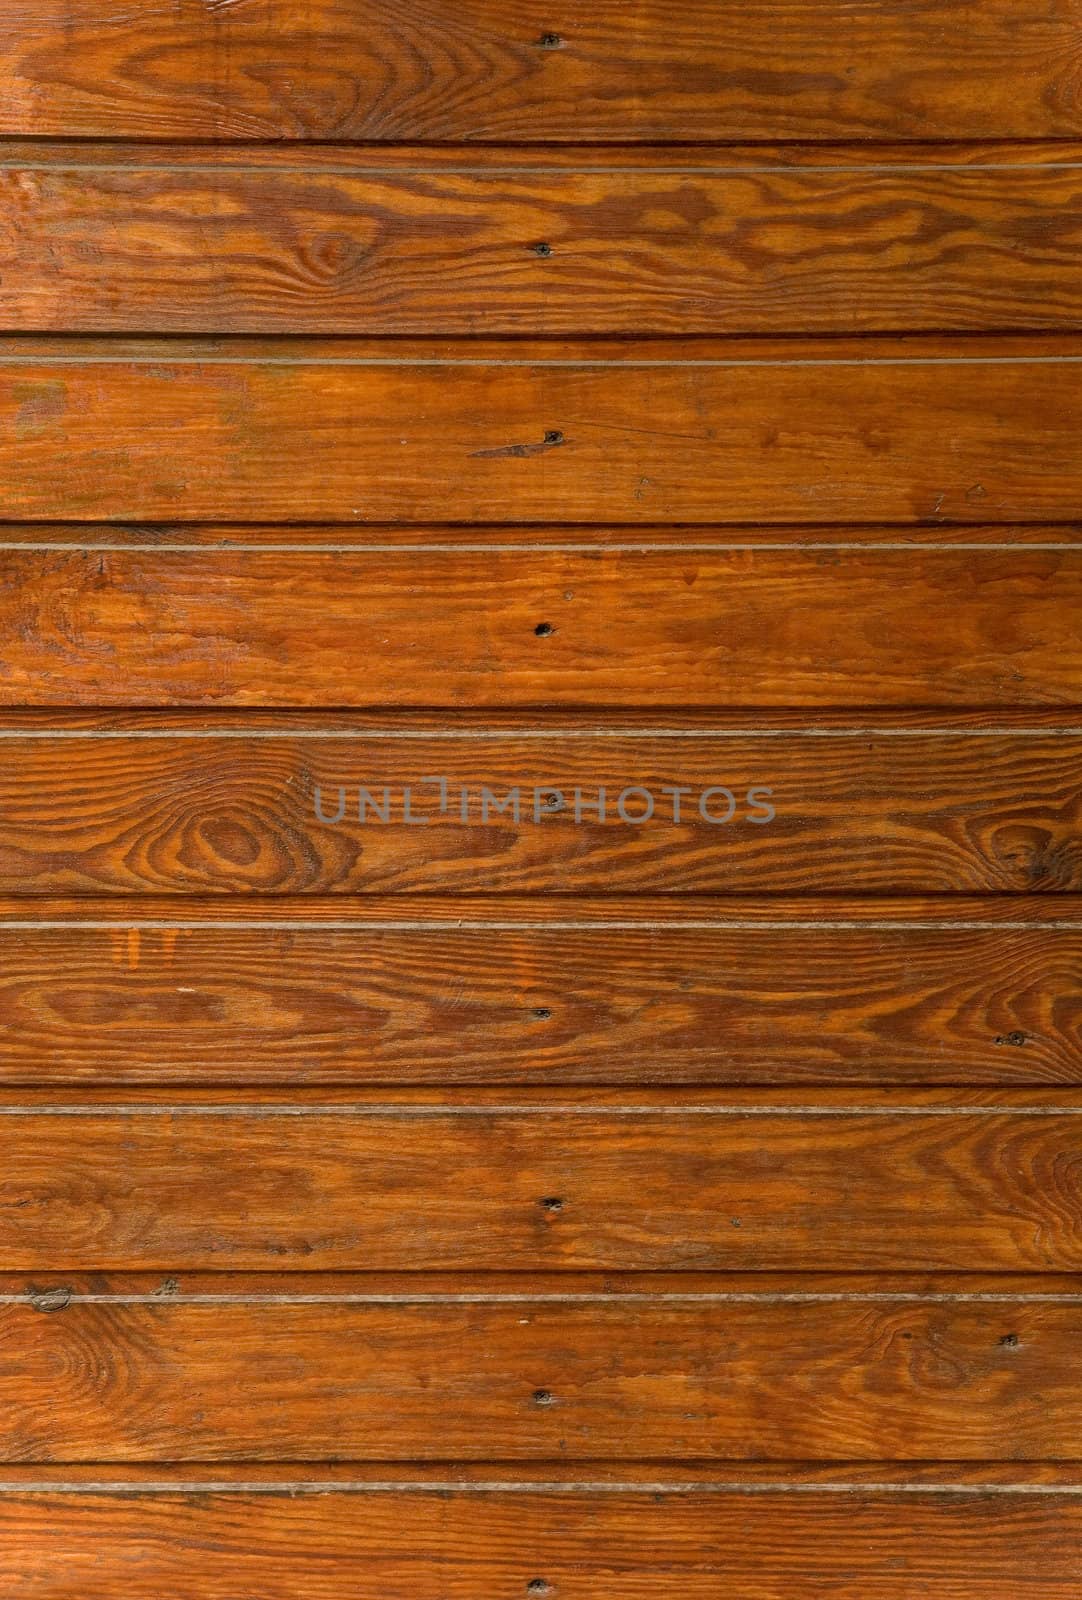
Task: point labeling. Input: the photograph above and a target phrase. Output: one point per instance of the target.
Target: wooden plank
(728, 1001)
(177, 811)
(804, 433)
(409, 1544)
(484, 1187)
(147, 246)
(490, 628)
(822, 1378)
(490, 70)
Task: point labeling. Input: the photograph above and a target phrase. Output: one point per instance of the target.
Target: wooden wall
(498, 1197)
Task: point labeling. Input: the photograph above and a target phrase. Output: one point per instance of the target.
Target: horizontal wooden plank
(489, 628)
(408, 1544)
(484, 1187)
(487, 69)
(174, 811)
(808, 434)
(118, 246)
(808, 1377)
(530, 1005)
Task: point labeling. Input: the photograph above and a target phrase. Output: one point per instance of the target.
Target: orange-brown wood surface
(622, 628)
(540, 800)
(487, 1187)
(808, 433)
(375, 1546)
(187, 811)
(490, 69)
(787, 1375)
(850, 1544)
(487, 995)
(124, 243)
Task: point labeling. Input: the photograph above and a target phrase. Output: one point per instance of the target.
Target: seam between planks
(53, 1301)
(204, 359)
(485, 925)
(529, 1487)
(429, 1112)
(511, 734)
(597, 547)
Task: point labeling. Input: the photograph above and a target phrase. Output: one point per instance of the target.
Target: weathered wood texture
(842, 1378)
(858, 812)
(808, 433)
(119, 246)
(489, 1188)
(490, 69)
(487, 628)
(662, 1003)
(861, 1544)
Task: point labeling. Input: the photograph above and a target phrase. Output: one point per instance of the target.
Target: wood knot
(50, 1299)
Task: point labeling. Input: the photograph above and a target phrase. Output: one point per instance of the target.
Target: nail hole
(1010, 1038)
(553, 803)
(551, 41)
(538, 1586)
(552, 1203)
(542, 1013)
(543, 630)
(554, 436)
(1010, 1341)
(542, 249)
(543, 1397)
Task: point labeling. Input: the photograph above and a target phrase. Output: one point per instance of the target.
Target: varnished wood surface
(620, 628)
(489, 1187)
(487, 69)
(862, 1544)
(114, 243)
(810, 433)
(860, 811)
(849, 1378)
(525, 1004)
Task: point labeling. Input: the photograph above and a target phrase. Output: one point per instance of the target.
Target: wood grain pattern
(808, 434)
(357, 69)
(617, 628)
(848, 1379)
(526, 1005)
(117, 246)
(857, 812)
(412, 1545)
(575, 1182)
(486, 1188)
